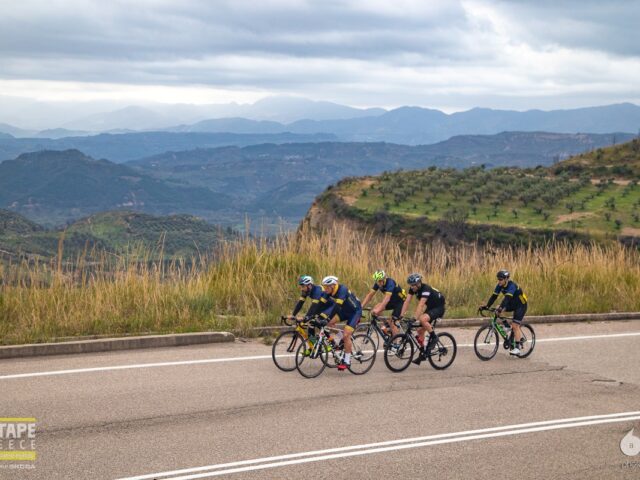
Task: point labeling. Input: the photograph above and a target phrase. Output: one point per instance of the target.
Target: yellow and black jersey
(390, 287)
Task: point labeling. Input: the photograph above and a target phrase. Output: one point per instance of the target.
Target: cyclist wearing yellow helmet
(394, 297)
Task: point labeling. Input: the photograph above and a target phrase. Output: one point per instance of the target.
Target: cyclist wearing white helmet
(514, 301)
(430, 307)
(394, 297)
(347, 308)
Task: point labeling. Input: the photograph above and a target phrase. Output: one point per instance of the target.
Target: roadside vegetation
(594, 194)
(249, 282)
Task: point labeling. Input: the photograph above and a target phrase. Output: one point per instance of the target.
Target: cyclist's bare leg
(393, 326)
(517, 332)
(348, 344)
(425, 321)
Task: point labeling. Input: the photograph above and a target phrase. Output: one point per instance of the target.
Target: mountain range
(268, 183)
(405, 125)
(129, 146)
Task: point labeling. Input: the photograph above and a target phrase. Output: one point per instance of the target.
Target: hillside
(621, 161)
(176, 236)
(52, 188)
(280, 181)
(500, 205)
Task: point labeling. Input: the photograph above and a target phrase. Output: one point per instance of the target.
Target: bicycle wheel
(284, 350)
(311, 362)
(363, 354)
(367, 329)
(528, 341)
(444, 353)
(486, 343)
(398, 356)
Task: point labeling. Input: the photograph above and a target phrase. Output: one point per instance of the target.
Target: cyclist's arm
(405, 305)
(334, 310)
(368, 297)
(298, 306)
(385, 299)
(317, 305)
(421, 307)
(492, 299)
(508, 297)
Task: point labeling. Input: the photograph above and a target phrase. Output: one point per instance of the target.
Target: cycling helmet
(305, 280)
(414, 278)
(379, 275)
(330, 280)
(502, 274)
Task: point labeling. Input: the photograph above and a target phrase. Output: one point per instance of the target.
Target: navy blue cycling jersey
(514, 297)
(319, 301)
(390, 287)
(346, 304)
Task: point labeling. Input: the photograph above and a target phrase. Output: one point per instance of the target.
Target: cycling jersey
(514, 297)
(390, 287)
(346, 305)
(319, 301)
(433, 296)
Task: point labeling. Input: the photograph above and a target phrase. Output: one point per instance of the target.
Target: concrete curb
(110, 344)
(476, 322)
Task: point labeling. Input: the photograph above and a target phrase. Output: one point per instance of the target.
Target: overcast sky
(441, 54)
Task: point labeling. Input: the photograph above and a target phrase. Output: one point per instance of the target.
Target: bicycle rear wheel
(486, 343)
(399, 353)
(367, 329)
(311, 362)
(363, 354)
(284, 350)
(528, 340)
(444, 353)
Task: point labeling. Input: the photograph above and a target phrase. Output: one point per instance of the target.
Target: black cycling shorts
(518, 313)
(396, 309)
(435, 313)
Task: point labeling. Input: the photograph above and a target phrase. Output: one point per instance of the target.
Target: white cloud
(442, 54)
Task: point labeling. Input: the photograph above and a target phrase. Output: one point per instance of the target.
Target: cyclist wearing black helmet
(430, 307)
(394, 297)
(514, 301)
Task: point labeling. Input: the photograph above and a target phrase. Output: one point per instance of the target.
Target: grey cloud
(606, 26)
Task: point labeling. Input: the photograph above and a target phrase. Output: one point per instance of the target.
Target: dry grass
(251, 282)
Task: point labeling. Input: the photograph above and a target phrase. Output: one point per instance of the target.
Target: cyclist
(319, 300)
(514, 301)
(431, 306)
(394, 297)
(346, 307)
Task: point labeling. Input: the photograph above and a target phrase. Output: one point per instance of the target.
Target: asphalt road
(224, 409)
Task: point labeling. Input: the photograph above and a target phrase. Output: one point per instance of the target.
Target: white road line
(256, 357)
(367, 449)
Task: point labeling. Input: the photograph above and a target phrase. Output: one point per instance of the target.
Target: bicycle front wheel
(363, 354)
(444, 353)
(399, 353)
(486, 343)
(284, 350)
(311, 361)
(528, 340)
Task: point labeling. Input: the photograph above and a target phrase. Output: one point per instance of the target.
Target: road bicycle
(286, 344)
(378, 329)
(311, 360)
(402, 347)
(486, 341)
